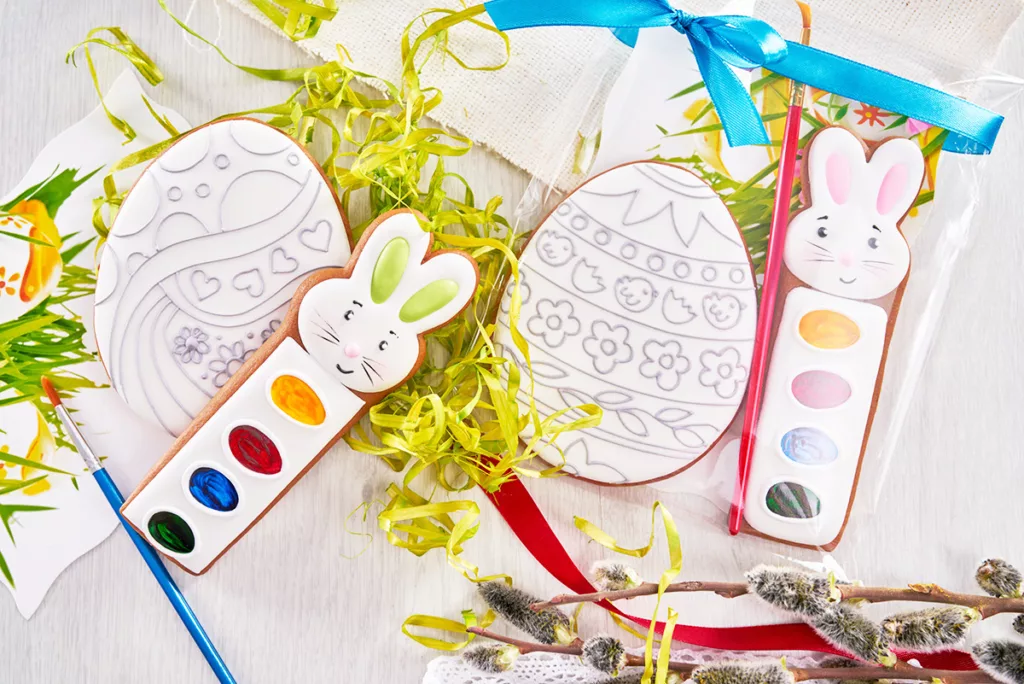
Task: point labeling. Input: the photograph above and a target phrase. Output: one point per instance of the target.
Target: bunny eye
(383, 345)
(873, 243)
(349, 314)
(822, 232)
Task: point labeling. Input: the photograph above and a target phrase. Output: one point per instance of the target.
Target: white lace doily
(548, 668)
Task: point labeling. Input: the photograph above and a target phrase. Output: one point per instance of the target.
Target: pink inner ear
(893, 185)
(837, 174)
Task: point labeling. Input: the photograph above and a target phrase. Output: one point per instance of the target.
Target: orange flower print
(871, 115)
(6, 284)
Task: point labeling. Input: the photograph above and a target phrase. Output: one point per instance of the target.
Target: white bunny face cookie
(847, 241)
(365, 330)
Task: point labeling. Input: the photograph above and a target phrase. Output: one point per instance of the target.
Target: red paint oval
(254, 450)
(818, 389)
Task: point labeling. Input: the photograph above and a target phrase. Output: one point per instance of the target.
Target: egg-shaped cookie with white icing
(638, 296)
(202, 260)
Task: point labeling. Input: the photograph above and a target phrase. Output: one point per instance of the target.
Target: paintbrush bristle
(51, 391)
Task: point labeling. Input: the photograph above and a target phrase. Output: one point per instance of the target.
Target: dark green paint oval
(792, 500)
(172, 532)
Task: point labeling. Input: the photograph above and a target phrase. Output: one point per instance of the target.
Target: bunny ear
(386, 251)
(835, 158)
(897, 171)
(442, 288)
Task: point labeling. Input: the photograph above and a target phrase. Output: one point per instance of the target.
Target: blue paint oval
(213, 489)
(809, 446)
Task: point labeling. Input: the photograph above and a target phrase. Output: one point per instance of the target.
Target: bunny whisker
(375, 371)
(326, 339)
(875, 261)
(335, 339)
(368, 376)
(827, 260)
(328, 324)
(826, 250)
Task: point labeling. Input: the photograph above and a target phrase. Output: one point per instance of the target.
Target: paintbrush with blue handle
(156, 566)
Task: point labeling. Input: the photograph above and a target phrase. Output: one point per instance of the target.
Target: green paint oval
(428, 300)
(172, 532)
(388, 270)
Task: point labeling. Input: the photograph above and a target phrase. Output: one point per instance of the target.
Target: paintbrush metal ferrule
(91, 460)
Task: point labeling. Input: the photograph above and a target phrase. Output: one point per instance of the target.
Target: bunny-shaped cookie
(351, 335)
(846, 266)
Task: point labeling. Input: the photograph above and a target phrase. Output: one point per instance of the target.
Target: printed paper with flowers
(51, 510)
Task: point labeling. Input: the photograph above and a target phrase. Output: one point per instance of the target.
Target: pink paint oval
(818, 389)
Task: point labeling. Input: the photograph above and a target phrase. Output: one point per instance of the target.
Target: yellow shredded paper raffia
(456, 423)
(659, 669)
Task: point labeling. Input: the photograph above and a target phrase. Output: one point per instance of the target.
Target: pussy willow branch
(923, 593)
(866, 672)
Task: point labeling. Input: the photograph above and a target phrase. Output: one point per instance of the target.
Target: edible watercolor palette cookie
(202, 260)
(638, 295)
(350, 336)
(845, 267)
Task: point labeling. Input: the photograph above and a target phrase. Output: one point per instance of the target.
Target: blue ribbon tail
(736, 110)
(628, 36)
(972, 129)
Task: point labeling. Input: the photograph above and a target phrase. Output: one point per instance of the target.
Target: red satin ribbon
(526, 520)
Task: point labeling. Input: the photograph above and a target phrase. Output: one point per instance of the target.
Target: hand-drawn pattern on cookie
(608, 346)
(656, 273)
(635, 294)
(554, 322)
(665, 362)
(555, 249)
(675, 309)
(722, 310)
(585, 278)
(203, 259)
(723, 370)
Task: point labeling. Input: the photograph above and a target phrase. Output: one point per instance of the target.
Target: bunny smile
(847, 282)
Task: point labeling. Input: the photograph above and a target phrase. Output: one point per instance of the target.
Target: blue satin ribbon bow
(719, 42)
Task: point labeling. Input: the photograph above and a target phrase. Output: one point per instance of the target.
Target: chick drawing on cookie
(635, 294)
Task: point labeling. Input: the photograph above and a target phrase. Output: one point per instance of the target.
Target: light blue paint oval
(809, 446)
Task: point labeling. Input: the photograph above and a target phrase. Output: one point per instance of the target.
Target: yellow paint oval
(297, 400)
(828, 330)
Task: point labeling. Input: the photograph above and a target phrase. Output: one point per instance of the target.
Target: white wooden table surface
(296, 601)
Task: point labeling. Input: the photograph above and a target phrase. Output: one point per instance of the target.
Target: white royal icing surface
(202, 261)
(846, 246)
(638, 296)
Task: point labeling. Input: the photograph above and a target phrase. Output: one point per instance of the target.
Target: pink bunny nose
(352, 350)
(845, 260)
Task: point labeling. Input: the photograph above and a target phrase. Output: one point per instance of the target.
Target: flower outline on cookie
(723, 371)
(190, 345)
(608, 346)
(555, 249)
(722, 310)
(635, 295)
(524, 292)
(675, 309)
(554, 321)
(231, 359)
(665, 363)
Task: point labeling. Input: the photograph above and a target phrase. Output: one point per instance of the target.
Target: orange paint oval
(297, 400)
(828, 330)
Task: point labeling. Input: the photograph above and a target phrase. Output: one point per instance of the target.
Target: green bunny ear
(429, 299)
(388, 270)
